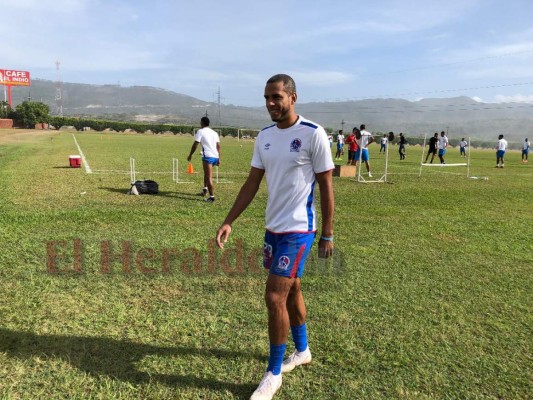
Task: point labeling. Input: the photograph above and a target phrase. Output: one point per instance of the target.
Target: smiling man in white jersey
(293, 154)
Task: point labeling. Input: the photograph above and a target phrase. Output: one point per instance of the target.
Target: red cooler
(75, 161)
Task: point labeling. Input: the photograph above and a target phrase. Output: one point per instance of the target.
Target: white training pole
(175, 170)
(386, 160)
(132, 170)
(359, 165)
(216, 168)
(422, 159)
(468, 161)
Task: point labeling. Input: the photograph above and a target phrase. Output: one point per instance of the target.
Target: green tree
(5, 110)
(30, 113)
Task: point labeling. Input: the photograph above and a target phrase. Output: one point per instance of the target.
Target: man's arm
(193, 149)
(327, 205)
(244, 198)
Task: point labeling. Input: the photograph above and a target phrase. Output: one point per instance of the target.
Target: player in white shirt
(384, 141)
(210, 142)
(362, 151)
(340, 145)
(462, 147)
(525, 150)
(500, 153)
(443, 143)
(294, 155)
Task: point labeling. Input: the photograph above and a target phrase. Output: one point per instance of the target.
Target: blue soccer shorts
(442, 152)
(210, 160)
(500, 153)
(364, 157)
(284, 254)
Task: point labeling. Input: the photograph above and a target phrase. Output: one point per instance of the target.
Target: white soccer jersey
(208, 138)
(340, 138)
(290, 158)
(443, 142)
(502, 144)
(463, 143)
(384, 140)
(365, 138)
(527, 144)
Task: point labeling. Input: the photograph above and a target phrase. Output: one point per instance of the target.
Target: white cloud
(321, 78)
(517, 98)
(478, 99)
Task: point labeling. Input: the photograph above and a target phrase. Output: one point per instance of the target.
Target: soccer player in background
(210, 155)
(402, 142)
(500, 152)
(351, 141)
(294, 155)
(462, 147)
(443, 143)
(433, 142)
(340, 145)
(525, 150)
(362, 151)
(384, 141)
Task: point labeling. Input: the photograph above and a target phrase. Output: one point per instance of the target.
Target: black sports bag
(146, 187)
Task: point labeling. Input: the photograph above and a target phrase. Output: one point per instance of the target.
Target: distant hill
(461, 116)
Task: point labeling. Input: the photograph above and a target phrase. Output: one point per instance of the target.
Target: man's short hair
(500, 137)
(362, 127)
(288, 83)
(205, 121)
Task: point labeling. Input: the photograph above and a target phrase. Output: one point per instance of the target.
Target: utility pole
(59, 99)
(342, 125)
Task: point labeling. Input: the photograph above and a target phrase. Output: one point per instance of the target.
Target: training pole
(468, 161)
(176, 172)
(422, 159)
(386, 161)
(132, 170)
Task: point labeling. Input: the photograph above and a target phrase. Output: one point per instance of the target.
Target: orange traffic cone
(190, 169)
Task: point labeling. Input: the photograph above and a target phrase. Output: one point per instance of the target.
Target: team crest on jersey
(283, 263)
(267, 146)
(295, 145)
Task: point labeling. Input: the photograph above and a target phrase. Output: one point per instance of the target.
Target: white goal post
(439, 165)
(380, 179)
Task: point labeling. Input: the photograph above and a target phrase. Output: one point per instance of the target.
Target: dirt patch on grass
(23, 135)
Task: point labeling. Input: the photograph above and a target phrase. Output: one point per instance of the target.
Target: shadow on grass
(100, 356)
(175, 195)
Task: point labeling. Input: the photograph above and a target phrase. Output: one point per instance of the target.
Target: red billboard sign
(14, 78)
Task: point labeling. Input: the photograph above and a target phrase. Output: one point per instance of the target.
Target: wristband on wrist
(327, 239)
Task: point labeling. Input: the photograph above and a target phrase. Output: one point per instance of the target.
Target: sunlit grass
(430, 295)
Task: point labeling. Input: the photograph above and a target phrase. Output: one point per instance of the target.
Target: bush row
(100, 125)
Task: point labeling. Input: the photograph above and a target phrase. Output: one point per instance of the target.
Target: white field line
(87, 168)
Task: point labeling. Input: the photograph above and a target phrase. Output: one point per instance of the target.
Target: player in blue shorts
(294, 155)
(362, 152)
(210, 142)
(443, 144)
(525, 150)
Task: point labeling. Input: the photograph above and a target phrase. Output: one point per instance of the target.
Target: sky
(336, 50)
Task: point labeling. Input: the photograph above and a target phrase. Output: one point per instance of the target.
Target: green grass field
(429, 295)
